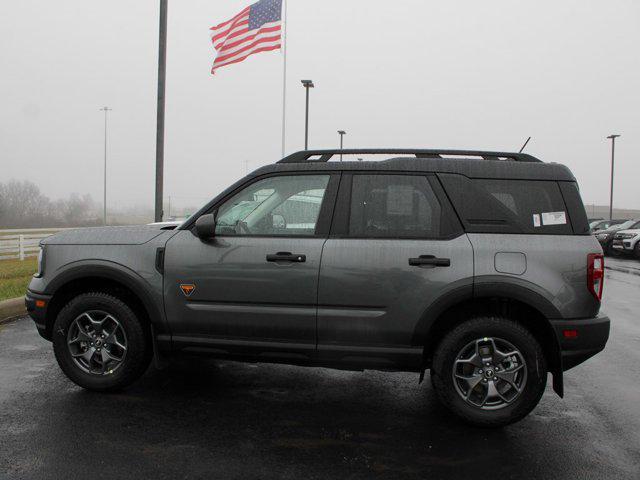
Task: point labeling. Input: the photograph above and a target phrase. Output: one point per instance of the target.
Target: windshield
(624, 226)
(634, 226)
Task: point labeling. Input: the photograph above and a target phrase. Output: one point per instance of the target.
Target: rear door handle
(286, 257)
(430, 260)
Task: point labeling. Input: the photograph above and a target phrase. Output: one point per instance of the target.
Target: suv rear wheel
(100, 343)
(489, 371)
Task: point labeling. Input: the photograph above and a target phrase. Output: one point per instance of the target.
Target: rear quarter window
(508, 206)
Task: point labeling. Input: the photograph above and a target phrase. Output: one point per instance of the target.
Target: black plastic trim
(592, 336)
(325, 155)
(117, 273)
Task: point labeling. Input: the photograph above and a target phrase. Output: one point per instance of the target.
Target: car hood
(133, 235)
(608, 231)
(635, 231)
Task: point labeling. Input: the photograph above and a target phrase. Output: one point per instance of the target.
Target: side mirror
(206, 226)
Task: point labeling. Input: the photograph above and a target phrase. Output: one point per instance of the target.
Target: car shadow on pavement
(244, 420)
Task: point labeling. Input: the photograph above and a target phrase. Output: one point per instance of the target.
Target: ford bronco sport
(477, 266)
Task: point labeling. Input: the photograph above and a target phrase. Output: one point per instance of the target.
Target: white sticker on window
(536, 220)
(554, 218)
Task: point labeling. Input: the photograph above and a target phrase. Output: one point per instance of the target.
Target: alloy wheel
(97, 342)
(489, 373)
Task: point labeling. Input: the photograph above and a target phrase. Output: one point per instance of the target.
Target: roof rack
(325, 155)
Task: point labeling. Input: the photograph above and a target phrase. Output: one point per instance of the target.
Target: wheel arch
(523, 306)
(104, 277)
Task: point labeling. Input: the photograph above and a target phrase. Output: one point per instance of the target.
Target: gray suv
(477, 266)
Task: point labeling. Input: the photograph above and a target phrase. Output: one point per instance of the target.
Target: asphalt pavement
(207, 419)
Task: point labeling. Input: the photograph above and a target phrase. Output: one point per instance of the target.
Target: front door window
(283, 205)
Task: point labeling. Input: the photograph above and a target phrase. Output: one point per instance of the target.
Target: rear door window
(396, 206)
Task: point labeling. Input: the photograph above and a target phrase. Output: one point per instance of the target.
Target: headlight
(628, 235)
(40, 271)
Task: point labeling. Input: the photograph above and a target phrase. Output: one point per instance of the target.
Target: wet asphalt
(206, 419)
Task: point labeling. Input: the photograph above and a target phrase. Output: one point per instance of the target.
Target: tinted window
(575, 207)
(509, 206)
(393, 206)
(283, 205)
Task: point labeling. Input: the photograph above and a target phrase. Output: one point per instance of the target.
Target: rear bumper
(37, 305)
(581, 339)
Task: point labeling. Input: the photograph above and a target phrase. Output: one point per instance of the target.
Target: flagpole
(284, 71)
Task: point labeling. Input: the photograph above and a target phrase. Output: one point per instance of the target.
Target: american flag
(255, 29)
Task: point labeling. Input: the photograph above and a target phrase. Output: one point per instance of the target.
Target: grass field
(15, 276)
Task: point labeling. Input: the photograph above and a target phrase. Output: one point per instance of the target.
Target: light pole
(104, 205)
(162, 73)
(307, 84)
(342, 133)
(613, 153)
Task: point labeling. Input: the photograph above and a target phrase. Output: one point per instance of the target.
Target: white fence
(23, 243)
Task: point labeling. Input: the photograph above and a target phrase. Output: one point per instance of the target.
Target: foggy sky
(432, 74)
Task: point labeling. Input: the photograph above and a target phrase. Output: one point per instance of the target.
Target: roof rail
(325, 155)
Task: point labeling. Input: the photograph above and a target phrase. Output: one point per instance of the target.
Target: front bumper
(581, 339)
(37, 305)
(623, 245)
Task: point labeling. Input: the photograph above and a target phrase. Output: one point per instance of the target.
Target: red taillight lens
(595, 274)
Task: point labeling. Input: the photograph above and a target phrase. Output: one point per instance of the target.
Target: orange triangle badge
(187, 289)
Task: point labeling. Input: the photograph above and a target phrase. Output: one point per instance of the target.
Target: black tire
(138, 352)
(609, 251)
(445, 355)
(637, 250)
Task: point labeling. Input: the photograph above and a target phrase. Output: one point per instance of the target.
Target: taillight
(595, 274)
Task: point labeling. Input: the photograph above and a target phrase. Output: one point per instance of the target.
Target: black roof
(326, 155)
(499, 165)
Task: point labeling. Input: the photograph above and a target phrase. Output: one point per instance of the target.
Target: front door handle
(286, 257)
(430, 260)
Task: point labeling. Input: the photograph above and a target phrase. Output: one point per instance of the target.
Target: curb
(12, 309)
(631, 271)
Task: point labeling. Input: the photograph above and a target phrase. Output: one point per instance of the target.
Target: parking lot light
(613, 151)
(307, 84)
(342, 134)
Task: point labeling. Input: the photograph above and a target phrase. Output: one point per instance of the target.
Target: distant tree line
(22, 205)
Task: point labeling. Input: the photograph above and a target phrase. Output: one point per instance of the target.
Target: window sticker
(536, 220)
(554, 218)
(399, 199)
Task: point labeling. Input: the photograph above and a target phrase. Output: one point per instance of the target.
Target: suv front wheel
(100, 343)
(489, 371)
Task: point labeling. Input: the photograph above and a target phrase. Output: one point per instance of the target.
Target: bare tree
(22, 205)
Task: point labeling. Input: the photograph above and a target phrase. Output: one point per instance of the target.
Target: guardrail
(23, 243)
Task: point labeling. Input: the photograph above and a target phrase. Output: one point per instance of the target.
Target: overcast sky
(408, 73)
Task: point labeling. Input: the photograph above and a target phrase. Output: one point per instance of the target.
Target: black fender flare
(517, 289)
(491, 287)
(457, 293)
(118, 273)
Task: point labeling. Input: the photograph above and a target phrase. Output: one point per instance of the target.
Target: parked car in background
(599, 225)
(605, 237)
(627, 241)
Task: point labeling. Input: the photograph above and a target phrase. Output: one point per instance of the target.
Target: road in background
(206, 419)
